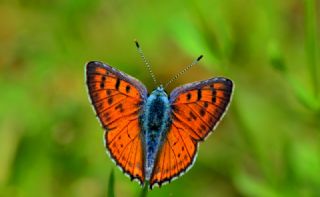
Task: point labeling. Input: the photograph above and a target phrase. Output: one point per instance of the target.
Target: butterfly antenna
(183, 71)
(146, 62)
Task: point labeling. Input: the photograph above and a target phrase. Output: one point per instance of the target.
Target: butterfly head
(159, 91)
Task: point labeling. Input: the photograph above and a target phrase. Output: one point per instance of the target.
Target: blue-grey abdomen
(155, 122)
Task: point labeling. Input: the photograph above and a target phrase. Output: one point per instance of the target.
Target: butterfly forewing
(196, 110)
(200, 105)
(117, 99)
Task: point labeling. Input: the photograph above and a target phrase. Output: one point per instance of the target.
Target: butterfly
(154, 137)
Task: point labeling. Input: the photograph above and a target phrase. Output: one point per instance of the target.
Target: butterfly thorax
(155, 121)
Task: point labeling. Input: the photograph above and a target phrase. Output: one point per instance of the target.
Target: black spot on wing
(192, 116)
(110, 101)
(107, 117)
(202, 112)
(188, 96)
(199, 95)
(119, 107)
(102, 85)
(214, 95)
(127, 88)
(117, 84)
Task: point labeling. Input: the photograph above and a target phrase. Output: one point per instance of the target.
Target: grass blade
(144, 192)
(111, 184)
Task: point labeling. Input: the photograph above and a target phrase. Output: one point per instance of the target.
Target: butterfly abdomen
(155, 121)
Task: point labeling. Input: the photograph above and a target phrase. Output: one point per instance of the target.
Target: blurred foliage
(267, 145)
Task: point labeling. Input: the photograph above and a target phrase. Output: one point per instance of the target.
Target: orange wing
(117, 99)
(196, 110)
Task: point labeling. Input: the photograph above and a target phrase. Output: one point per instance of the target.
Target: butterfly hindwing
(117, 99)
(174, 157)
(196, 110)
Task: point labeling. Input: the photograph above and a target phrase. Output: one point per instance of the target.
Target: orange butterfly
(154, 138)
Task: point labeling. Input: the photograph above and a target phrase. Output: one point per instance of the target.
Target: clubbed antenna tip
(183, 71)
(199, 58)
(146, 62)
(137, 43)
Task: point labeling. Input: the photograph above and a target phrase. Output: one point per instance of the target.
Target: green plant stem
(144, 192)
(311, 43)
(111, 184)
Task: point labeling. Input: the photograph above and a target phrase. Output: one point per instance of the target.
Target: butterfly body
(154, 138)
(155, 121)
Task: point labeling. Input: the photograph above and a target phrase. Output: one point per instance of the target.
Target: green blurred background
(267, 145)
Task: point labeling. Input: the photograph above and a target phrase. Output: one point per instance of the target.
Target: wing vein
(217, 118)
(174, 154)
(123, 117)
(135, 158)
(109, 106)
(121, 131)
(164, 154)
(201, 100)
(130, 155)
(101, 99)
(203, 121)
(184, 143)
(93, 91)
(185, 124)
(125, 149)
